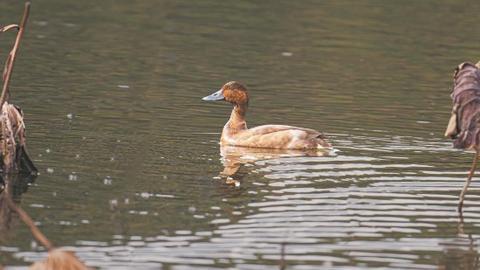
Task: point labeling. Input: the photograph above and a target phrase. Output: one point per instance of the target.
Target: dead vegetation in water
(15, 158)
(464, 123)
(59, 259)
(12, 126)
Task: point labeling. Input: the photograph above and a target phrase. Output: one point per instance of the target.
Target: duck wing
(266, 129)
(280, 137)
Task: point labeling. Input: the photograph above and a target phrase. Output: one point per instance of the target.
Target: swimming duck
(236, 133)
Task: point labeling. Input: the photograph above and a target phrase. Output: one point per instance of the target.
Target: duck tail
(322, 142)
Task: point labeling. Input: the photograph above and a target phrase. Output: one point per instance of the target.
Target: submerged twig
(6, 212)
(467, 182)
(27, 220)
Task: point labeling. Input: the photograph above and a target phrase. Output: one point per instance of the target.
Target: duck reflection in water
(234, 158)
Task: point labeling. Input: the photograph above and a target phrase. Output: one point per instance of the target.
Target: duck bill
(217, 96)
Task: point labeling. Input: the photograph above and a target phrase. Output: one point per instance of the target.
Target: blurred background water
(129, 155)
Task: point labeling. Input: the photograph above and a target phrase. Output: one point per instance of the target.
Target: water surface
(129, 155)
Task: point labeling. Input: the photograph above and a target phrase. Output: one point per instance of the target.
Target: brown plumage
(235, 93)
(464, 124)
(236, 133)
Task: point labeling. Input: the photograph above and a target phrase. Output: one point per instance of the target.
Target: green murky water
(128, 152)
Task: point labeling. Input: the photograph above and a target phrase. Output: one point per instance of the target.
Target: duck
(236, 133)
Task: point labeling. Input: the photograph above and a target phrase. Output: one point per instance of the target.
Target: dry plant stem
(29, 222)
(283, 264)
(469, 179)
(461, 224)
(11, 57)
(9, 27)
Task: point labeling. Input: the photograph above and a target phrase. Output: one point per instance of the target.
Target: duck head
(232, 92)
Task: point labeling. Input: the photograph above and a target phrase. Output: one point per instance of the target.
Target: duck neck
(237, 119)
